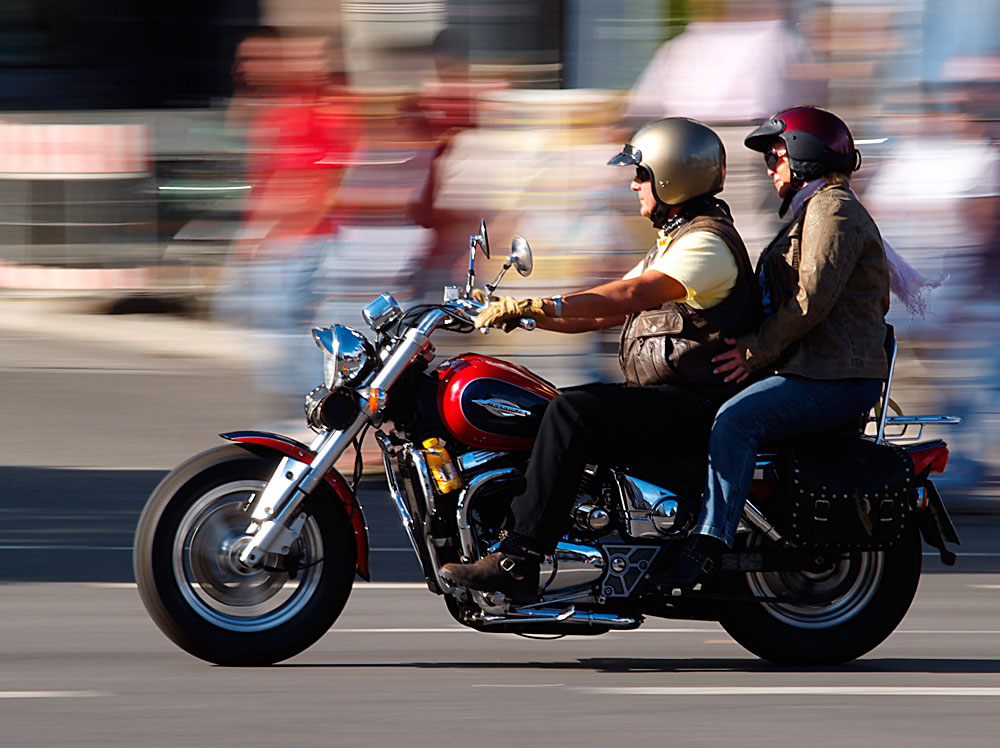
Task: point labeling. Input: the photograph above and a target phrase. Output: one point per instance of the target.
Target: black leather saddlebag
(846, 492)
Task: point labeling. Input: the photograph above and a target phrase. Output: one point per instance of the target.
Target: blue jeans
(775, 408)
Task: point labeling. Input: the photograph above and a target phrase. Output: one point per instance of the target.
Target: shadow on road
(697, 665)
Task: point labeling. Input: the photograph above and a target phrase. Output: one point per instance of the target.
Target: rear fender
(263, 441)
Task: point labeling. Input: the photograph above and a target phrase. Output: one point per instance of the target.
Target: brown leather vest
(675, 342)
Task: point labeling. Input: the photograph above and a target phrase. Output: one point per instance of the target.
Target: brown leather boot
(514, 576)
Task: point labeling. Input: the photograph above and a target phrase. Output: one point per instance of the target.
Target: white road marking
(358, 586)
(54, 547)
(970, 691)
(985, 586)
(518, 685)
(59, 547)
(50, 694)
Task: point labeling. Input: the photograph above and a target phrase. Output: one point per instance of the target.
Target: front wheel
(186, 564)
(859, 601)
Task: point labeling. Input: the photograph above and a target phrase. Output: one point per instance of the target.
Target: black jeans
(660, 424)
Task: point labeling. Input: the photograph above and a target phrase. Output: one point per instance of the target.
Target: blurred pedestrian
(301, 132)
(734, 64)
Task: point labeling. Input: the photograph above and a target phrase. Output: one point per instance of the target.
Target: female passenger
(818, 356)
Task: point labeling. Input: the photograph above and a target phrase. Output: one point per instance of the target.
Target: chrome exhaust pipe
(568, 615)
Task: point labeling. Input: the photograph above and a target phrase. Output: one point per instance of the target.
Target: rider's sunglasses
(641, 174)
(771, 159)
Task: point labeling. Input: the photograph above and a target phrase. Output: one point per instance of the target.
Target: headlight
(348, 356)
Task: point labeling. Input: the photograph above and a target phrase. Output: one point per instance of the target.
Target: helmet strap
(661, 217)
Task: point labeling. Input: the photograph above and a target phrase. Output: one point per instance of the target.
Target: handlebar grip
(525, 323)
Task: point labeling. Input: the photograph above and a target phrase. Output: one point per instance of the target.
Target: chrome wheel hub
(840, 592)
(222, 589)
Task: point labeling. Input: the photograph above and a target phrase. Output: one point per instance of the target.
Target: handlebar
(472, 306)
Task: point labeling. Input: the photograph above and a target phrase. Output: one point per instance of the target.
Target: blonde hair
(836, 177)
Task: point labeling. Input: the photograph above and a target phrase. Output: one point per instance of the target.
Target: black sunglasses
(771, 159)
(642, 174)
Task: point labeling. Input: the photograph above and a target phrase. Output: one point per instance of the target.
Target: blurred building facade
(124, 145)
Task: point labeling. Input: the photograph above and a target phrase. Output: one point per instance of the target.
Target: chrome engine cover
(572, 567)
(649, 511)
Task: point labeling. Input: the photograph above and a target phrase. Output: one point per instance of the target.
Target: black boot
(696, 562)
(512, 570)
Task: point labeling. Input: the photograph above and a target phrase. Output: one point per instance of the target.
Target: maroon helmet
(817, 142)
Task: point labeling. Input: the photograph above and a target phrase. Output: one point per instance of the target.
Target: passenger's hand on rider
(507, 311)
(731, 363)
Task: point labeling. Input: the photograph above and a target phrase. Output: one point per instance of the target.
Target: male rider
(694, 288)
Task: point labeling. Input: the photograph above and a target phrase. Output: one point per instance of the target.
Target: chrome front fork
(276, 518)
(276, 521)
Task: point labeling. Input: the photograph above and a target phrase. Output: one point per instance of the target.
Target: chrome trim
(755, 517)
(288, 473)
(416, 458)
(465, 503)
(568, 615)
(394, 491)
(503, 408)
(348, 355)
(919, 421)
(879, 437)
(472, 460)
(649, 510)
(382, 312)
(417, 461)
(571, 566)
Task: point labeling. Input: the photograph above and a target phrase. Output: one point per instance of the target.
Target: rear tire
(185, 545)
(871, 592)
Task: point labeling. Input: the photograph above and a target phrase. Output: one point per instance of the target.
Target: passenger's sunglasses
(641, 174)
(771, 159)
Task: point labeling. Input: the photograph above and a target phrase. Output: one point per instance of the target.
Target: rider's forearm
(619, 298)
(579, 324)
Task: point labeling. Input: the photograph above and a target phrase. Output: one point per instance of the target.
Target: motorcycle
(246, 554)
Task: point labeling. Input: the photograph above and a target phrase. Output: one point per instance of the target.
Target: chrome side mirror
(520, 255)
(382, 312)
(482, 240)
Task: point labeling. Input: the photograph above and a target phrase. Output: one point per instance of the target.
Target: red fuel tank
(491, 404)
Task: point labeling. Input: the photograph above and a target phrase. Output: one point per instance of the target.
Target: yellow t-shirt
(700, 261)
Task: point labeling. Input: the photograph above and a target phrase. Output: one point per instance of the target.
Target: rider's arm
(579, 324)
(615, 300)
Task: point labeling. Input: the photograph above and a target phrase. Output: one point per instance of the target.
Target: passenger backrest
(882, 407)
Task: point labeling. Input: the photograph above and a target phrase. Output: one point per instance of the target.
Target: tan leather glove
(506, 311)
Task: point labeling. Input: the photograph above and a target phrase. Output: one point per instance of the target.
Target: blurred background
(261, 166)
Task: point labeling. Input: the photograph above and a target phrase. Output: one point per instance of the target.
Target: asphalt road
(82, 665)
(86, 432)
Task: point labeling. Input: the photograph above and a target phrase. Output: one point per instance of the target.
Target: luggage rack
(905, 422)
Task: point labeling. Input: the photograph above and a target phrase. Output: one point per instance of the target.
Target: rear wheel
(858, 601)
(190, 579)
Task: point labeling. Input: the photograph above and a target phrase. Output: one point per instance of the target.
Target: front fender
(263, 440)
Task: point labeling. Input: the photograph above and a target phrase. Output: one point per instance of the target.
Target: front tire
(186, 545)
(864, 597)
